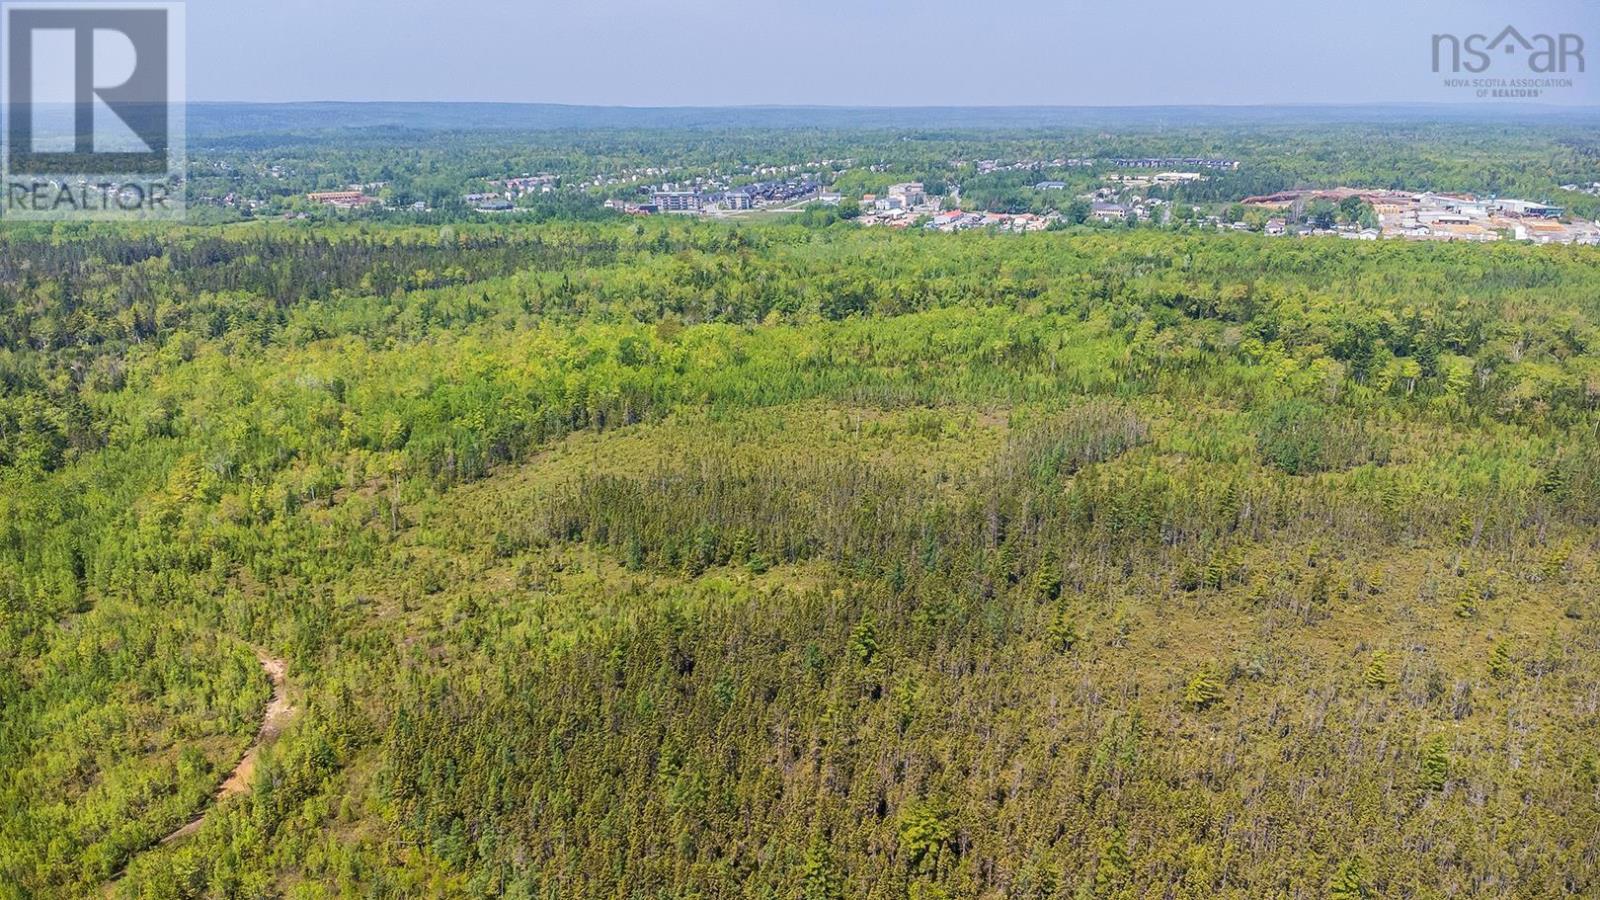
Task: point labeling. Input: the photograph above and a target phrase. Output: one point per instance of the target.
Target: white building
(911, 193)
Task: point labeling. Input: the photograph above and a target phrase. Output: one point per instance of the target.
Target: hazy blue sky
(842, 52)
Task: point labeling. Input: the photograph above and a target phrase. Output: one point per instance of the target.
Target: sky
(860, 52)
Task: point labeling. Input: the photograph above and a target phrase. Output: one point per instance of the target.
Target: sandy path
(274, 718)
(277, 715)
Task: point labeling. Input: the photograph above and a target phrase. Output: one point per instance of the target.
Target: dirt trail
(274, 719)
(277, 715)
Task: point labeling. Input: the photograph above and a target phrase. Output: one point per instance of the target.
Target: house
(1050, 186)
(1277, 226)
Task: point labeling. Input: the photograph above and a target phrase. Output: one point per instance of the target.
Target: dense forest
(666, 559)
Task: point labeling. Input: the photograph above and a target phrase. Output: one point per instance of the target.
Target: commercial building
(909, 194)
(342, 199)
(677, 201)
(1109, 212)
(1526, 210)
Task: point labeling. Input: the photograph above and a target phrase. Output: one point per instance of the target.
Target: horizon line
(1442, 104)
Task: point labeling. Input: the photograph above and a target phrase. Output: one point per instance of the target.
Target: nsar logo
(1543, 54)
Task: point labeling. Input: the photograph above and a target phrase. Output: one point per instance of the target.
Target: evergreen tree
(1202, 690)
(1349, 882)
(1436, 763)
